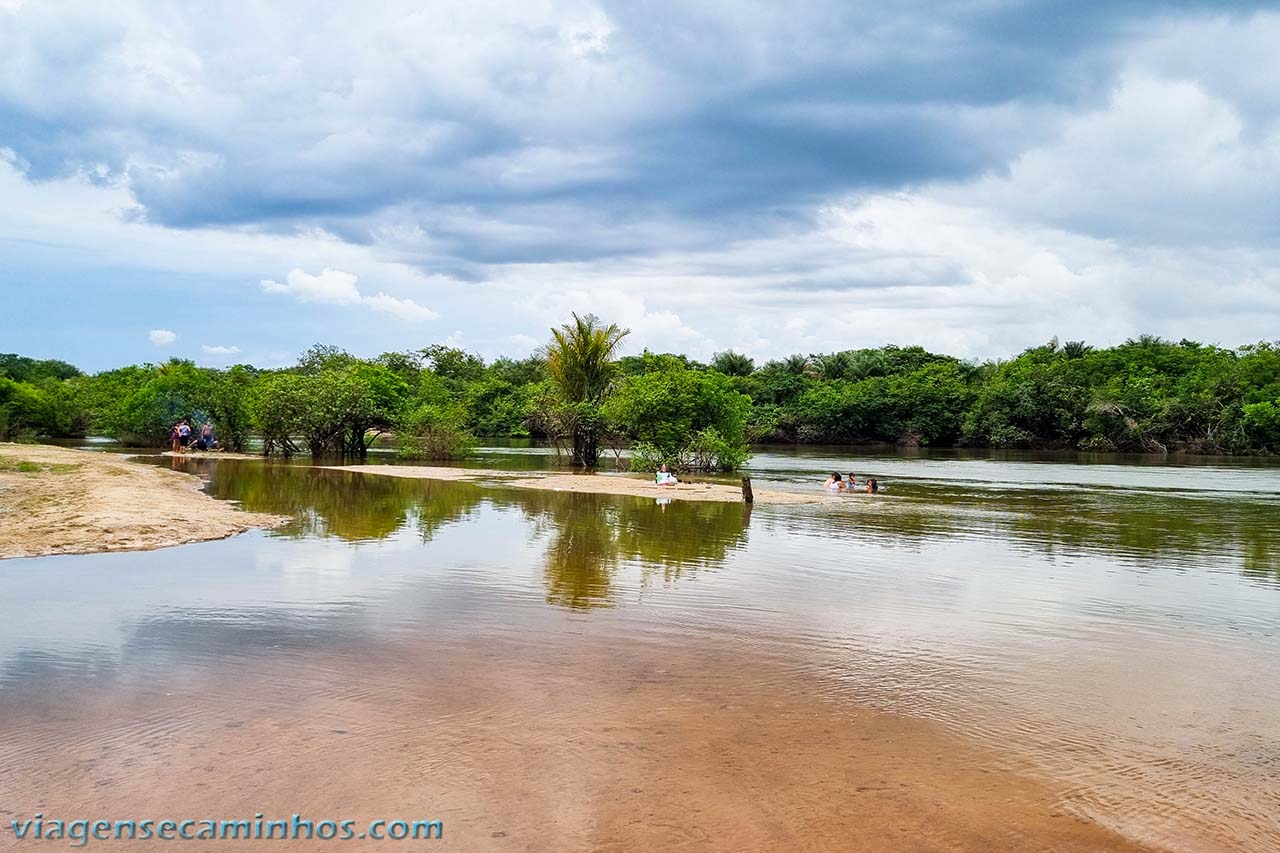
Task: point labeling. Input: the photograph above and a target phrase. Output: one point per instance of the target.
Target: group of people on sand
(836, 484)
(182, 437)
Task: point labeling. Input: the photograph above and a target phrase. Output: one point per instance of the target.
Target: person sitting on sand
(664, 477)
(834, 483)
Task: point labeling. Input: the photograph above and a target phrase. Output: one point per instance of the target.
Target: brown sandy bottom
(600, 484)
(59, 501)
(545, 747)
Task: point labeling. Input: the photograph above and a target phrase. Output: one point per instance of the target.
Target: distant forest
(1145, 395)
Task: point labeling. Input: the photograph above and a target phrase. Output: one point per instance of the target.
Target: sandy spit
(59, 501)
(600, 484)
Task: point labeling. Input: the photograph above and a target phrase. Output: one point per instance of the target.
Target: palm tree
(580, 363)
(797, 364)
(731, 363)
(1076, 349)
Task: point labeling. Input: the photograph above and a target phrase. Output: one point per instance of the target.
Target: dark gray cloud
(976, 176)
(720, 121)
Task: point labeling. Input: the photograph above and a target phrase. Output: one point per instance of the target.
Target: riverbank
(59, 501)
(599, 484)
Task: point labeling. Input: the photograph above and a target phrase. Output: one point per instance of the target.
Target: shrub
(435, 431)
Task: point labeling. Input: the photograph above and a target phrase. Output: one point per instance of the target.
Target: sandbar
(601, 484)
(54, 500)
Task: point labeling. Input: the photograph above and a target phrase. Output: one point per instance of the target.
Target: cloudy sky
(235, 181)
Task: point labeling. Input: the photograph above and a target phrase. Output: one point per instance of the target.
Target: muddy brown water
(996, 653)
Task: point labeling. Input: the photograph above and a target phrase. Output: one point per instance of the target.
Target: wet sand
(561, 745)
(59, 501)
(600, 484)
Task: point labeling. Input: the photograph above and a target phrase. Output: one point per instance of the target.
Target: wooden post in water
(747, 496)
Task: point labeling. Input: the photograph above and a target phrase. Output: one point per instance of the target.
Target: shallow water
(1106, 623)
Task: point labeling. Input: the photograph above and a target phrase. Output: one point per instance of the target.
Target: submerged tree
(580, 364)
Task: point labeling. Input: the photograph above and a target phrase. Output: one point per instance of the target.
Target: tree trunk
(585, 451)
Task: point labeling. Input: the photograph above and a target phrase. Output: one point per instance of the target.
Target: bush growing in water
(435, 431)
(707, 450)
(690, 420)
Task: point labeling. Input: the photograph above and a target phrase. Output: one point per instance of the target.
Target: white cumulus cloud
(332, 287)
(336, 287)
(525, 342)
(161, 337)
(405, 309)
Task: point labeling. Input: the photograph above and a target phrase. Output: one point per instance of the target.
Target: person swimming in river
(872, 486)
(834, 483)
(664, 477)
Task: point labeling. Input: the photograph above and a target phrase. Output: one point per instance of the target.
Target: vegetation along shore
(578, 393)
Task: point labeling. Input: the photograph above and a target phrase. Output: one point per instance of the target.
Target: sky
(233, 182)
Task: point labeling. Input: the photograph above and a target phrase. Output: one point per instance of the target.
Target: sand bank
(59, 501)
(600, 484)
(211, 454)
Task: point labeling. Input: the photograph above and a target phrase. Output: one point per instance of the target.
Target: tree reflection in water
(591, 535)
(347, 505)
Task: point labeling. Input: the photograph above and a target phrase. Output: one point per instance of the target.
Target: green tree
(436, 431)
(25, 411)
(685, 418)
(580, 365)
(731, 363)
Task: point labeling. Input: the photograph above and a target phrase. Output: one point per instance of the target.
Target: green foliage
(497, 407)
(1263, 421)
(651, 362)
(277, 408)
(332, 409)
(731, 363)
(228, 404)
(407, 365)
(456, 367)
(435, 431)
(581, 368)
(25, 411)
(1147, 395)
(19, 368)
(324, 357)
(525, 371)
(691, 420)
(922, 407)
(174, 390)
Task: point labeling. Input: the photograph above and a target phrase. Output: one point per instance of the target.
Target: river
(1108, 627)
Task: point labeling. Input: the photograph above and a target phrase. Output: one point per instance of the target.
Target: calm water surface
(1110, 623)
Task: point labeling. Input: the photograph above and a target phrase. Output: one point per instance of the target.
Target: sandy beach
(59, 501)
(600, 484)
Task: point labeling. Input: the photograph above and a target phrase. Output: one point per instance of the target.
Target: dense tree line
(1146, 395)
